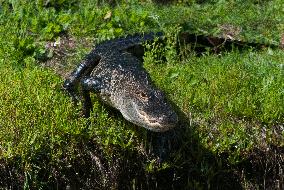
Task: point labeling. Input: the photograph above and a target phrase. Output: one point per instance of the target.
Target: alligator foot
(69, 87)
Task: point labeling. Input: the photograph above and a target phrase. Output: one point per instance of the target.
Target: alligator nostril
(174, 118)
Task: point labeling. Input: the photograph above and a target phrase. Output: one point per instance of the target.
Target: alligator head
(146, 106)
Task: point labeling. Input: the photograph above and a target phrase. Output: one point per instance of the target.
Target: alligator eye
(143, 95)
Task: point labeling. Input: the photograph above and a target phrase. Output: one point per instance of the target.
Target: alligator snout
(159, 123)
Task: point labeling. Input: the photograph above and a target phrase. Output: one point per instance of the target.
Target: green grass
(37, 114)
(230, 97)
(233, 100)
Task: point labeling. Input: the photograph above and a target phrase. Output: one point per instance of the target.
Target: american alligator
(114, 70)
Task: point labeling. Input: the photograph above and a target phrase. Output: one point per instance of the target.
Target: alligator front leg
(87, 103)
(89, 84)
(85, 68)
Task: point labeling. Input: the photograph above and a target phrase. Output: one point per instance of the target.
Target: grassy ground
(231, 103)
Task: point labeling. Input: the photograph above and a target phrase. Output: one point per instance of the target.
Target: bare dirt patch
(59, 54)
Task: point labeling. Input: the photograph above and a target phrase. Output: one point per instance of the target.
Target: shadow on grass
(190, 166)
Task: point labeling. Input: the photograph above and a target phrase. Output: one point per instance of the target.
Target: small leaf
(193, 82)
(174, 75)
(270, 51)
(108, 15)
(50, 53)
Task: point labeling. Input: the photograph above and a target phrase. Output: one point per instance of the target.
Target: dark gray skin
(115, 72)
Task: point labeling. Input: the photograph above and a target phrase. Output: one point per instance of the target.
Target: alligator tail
(129, 41)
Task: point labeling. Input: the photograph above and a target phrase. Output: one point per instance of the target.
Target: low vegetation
(230, 102)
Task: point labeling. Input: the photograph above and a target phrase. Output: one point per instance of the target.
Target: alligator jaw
(159, 124)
